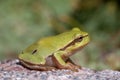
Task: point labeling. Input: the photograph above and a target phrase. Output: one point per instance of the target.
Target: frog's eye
(79, 39)
(34, 51)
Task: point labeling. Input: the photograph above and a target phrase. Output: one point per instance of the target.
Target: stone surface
(12, 70)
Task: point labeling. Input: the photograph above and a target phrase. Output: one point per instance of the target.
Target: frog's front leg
(63, 63)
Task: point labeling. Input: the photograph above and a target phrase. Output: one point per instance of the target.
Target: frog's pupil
(78, 39)
(34, 51)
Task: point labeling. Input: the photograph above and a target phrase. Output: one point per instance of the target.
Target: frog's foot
(70, 66)
(73, 67)
(70, 62)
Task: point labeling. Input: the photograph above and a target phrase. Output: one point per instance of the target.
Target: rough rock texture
(11, 70)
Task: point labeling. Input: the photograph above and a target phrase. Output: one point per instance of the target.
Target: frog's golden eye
(34, 51)
(79, 39)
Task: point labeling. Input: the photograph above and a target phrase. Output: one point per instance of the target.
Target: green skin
(54, 52)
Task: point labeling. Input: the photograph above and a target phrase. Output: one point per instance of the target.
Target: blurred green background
(23, 22)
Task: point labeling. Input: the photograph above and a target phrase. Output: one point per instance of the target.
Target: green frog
(54, 52)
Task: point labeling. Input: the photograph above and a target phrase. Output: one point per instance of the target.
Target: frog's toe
(73, 67)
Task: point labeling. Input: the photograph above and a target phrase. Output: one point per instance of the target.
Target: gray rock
(11, 70)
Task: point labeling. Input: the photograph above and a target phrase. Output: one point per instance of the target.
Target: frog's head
(78, 39)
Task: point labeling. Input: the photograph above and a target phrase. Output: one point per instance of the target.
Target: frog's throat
(78, 39)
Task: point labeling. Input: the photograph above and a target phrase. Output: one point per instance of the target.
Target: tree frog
(54, 52)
